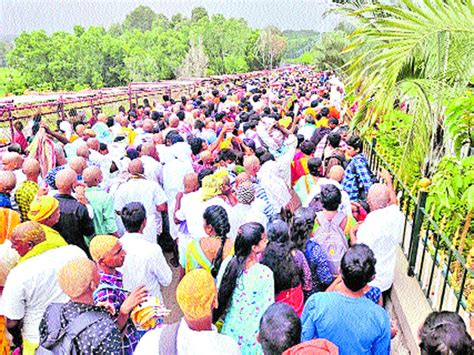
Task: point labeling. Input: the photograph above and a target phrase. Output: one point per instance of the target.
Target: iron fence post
(129, 91)
(415, 231)
(10, 120)
(372, 151)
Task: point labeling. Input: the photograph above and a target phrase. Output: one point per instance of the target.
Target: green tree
(419, 50)
(141, 18)
(198, 14)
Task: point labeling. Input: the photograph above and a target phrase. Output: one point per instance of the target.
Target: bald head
(92, 176)
(7, 181)
(149, 149)
(148, 125)
(65, 181)
(336, 173)
(83, 151)
(251, 165)
(80, 128)
(78, 164)
(190, 182)
(378, 196)
(242, 177)
(78, 277)
(174, 121)
(31, 168)
(11, 161)
(93, 143)
(135, 167)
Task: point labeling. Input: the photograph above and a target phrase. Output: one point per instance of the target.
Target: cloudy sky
(52, 15)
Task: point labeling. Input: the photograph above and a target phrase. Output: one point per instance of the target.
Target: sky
(53, 15)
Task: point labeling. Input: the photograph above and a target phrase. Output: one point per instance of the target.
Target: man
(26, 192)
(74, 224)
(358, 177)
(7, 184)
(100, 201)
(280, 329)
(145, 263)
(60, 165)
(101, 161)
(153, 170)
(252, 166)
(194, 334)
(337, 316)
(147, 192)
(78, 164)
(13, 162)
(382, 231)
(107, 252)
(32, 285)
(78, 279)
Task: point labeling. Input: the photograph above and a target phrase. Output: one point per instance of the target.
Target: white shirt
(144, 265)
(32, 285)
(150, 194)
(104, 163)
(248, 213)
(153, 170)
(208, 342)
(382, 231)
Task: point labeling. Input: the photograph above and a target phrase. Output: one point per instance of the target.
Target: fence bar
(433, 267)
(425, 242)
(463, 282)
(415, 232)
(446, 279)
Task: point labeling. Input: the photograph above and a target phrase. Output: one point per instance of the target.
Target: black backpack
(61, 342)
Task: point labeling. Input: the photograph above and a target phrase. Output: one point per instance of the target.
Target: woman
(246, 289)
(208, 252)
(307, 182)
(317, 259)
(287, 275)
(279, 231)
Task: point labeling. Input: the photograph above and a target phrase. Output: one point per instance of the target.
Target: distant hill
(300, 42)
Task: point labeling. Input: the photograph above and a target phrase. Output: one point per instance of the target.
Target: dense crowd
(251, 191)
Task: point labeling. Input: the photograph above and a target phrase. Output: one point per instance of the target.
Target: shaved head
(65, 180)
(7, 181)
(31, 168)
(149, 149)
(251, 165)
(148, 125)
(135, 167)
(190, 182)
(92, 176)
(242, 177)
(378, 196)
(93, 143)
(83, 151)
(336, 173)
(78, 164)
(11, 161)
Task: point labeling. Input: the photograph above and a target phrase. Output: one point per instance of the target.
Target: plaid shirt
(24, 195)
(111, 290)
(357, 171)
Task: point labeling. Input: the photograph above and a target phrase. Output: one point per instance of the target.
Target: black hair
(266, 157)
(333, 120)
(199, 125)
(445, 333)
(330, 197)
(278, 231)
(355, 142)
(300, 140)
(216, 216)
(324, 112)
(133, 214)
(358, 267)
(313, 166)
(166, 98)
(307, 147)
(280, 329)
(181, 115)
(102, 147)
(334, 139)
(110, 121)
(196, 145)
(203, 173)
(226, 155)
(286, 273)
(260, 151)
(302, 227)
(249, 234)
(314, 103)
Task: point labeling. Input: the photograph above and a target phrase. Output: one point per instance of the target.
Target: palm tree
(417, 49)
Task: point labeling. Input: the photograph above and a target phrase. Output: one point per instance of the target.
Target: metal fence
(442, 272)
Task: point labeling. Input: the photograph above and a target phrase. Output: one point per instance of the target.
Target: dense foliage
(145, 47)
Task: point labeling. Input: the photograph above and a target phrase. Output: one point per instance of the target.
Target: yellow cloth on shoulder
(53, 240)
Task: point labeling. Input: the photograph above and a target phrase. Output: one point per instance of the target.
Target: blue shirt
(357, 174)
(355, 325)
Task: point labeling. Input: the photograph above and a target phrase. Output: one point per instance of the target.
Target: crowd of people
(252, 192)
